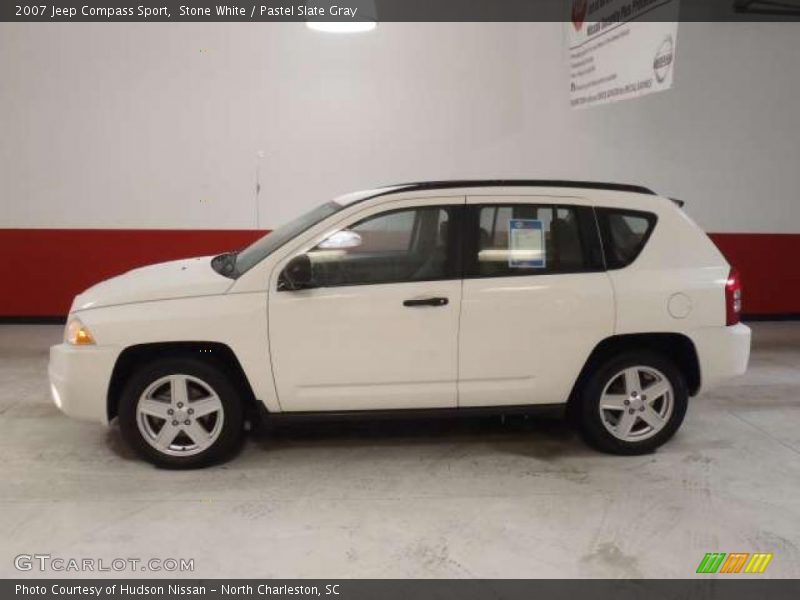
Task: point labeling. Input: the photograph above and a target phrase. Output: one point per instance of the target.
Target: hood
(164, 281)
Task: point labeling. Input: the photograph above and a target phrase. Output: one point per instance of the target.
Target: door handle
(426, 302)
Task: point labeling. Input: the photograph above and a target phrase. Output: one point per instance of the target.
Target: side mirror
(297, 274)
(341, 240)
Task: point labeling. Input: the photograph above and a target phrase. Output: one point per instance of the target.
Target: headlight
(77, 333)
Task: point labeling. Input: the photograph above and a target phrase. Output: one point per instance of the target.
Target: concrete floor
(426, 499)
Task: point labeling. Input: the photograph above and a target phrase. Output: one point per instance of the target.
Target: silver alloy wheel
(636, 403)
(180, 415)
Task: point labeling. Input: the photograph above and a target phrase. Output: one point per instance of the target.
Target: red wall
(768, 264)
(42, 269)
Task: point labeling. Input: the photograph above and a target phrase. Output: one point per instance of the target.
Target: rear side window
(531, 239)
(625, 234)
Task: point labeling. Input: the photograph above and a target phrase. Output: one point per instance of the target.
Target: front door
(378, 329)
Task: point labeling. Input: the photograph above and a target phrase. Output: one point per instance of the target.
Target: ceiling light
(342, 26)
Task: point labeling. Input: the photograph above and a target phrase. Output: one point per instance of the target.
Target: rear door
(535, 302)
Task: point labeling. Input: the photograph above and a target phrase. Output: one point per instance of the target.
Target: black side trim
(590, 236)
(418, 413)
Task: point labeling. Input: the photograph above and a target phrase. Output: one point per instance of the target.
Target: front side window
(529, 239)
(625, 233)
(398, 246)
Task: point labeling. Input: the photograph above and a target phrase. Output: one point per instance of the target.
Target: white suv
(444, 297)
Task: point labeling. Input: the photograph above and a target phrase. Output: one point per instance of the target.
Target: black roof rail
(557, 183)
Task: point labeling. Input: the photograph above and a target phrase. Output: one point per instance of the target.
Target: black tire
(231, 432)
(588, 414)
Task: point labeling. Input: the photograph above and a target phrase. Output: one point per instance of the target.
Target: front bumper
(724, 352)
(79, 379)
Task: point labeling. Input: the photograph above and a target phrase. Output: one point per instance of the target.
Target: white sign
(620, 49)
(526, 244)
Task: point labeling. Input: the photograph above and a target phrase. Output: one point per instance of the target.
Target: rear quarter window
(625, 234)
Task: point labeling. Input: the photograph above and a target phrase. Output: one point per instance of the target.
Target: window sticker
(526, 244)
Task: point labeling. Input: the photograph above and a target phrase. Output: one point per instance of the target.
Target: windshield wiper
(225, 264)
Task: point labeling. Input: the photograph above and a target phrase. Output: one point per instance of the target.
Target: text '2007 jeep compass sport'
(503, 296)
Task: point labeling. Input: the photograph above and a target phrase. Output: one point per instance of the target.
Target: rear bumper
(723, 352)
(79, 379)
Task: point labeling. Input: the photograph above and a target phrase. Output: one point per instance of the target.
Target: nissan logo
(663, 60)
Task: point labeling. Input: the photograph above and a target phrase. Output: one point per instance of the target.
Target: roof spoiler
(680, 203)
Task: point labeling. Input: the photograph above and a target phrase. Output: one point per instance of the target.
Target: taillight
(733, 298)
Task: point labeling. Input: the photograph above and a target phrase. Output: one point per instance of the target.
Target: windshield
(260, 249)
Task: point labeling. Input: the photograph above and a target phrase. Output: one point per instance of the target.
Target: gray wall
(160, 125)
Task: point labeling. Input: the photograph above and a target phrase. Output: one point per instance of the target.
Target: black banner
(702, 588)
(381, 10)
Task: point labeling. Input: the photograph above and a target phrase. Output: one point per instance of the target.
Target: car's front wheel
(633, 403)
(181, 413)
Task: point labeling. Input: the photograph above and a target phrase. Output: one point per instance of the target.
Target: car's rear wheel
(633, 403)
(181, 413)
